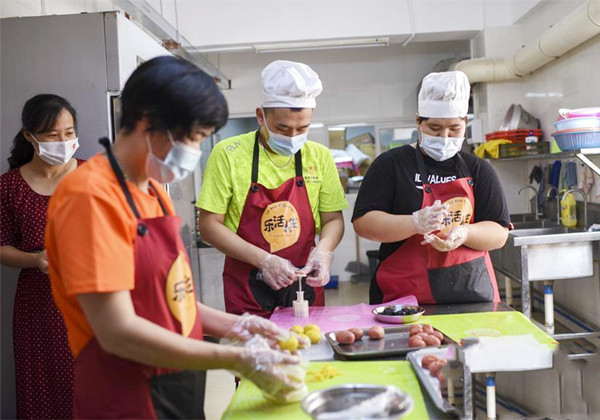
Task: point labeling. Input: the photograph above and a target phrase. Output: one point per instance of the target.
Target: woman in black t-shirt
(435, 234)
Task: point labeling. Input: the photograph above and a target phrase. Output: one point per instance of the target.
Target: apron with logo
(459, 276)
(280, 221)
(110, 387)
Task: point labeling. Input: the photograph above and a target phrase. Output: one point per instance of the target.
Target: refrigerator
(85, 58)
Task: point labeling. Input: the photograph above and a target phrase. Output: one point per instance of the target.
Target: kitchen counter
(506, 325)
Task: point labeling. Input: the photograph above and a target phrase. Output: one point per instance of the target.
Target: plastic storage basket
(509, 150)
(575, 140)
(516, 136)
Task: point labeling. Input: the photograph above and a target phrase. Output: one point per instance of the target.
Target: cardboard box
(368, 149)
(365, 138)
(337, 139)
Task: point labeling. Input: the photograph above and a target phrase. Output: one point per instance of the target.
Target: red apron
(280, 221)
(459, 276)
(110, 387)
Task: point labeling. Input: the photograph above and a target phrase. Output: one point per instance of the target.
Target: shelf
(581, 154)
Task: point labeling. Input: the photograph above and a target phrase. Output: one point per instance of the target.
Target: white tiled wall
(13, 8)
(369, 84)
(569, 82)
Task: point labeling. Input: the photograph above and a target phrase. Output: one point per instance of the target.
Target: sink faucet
(534, 207)
(585, 203)
(552, 187)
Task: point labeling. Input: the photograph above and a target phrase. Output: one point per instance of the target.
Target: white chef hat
(287, 84)
(444, 95)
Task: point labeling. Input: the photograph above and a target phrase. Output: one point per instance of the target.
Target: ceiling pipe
(579, 26)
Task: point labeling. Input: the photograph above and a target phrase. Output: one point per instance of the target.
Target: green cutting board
(490, 324)
(249, 403)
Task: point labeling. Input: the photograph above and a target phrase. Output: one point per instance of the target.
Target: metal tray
(432, 384)
(394, 343)
(336, 402)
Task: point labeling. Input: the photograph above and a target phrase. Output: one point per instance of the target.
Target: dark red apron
(110, 387)
(280, 221)
(459, 276)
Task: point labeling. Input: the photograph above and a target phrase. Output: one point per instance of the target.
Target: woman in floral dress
(41, 156)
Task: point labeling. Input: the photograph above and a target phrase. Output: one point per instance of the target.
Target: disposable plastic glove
(277, 272)
(456, 236)
(248, 326)
(430, 218)
(317, 267)
(265, 367)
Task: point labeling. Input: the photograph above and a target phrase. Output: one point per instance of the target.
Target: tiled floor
(220, 384)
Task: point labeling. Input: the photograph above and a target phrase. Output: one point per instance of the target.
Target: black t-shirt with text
(393, 185)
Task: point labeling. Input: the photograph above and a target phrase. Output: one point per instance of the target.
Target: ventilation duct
(579, 26)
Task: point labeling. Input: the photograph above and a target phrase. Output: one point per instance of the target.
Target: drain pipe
(579, 26)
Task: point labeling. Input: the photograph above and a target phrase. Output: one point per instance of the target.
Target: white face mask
(440, 148)
(282, 144)
(179, 163)
(57, 152)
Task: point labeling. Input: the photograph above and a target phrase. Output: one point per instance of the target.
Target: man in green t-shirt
(267, 193)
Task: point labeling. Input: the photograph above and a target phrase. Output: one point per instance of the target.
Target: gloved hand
(248, 326)
(456, 236)
(317, 267)
(277, 272)
(430, 218)
(265, 367)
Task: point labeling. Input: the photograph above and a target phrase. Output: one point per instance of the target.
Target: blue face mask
(285, 145)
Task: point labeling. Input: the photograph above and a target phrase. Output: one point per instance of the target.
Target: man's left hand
(317, 267)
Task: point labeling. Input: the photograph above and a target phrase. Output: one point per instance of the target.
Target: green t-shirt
(229, 169)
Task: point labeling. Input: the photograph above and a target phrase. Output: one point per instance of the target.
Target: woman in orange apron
(125, 287)
(436, 211)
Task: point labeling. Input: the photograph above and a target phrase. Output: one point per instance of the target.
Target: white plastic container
(574, 123)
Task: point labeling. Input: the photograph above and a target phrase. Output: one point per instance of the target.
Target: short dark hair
(38, 116)
(267, 110)
(173, 94)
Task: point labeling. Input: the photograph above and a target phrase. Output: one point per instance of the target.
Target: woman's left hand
(248, 326)
(41, 261)
(456, 236)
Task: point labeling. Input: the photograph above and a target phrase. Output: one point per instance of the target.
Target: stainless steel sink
(522, 217)
(545, 253)
(550, 235)
(529, 224)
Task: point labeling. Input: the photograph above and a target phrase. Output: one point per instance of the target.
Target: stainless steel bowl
(397, 319)
(337, 401)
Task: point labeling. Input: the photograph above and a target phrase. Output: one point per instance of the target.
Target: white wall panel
(19, 8)
(221, 22)
(363, 85)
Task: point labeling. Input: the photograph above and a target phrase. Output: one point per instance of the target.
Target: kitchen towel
(554, 177)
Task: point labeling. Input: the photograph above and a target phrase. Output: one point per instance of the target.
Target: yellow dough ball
(309, 327)
(291, 343)
(314, 336)
(298, 329)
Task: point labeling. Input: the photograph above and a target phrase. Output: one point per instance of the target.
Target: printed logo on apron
(280, 225)
(460, 211)
(179, 290)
